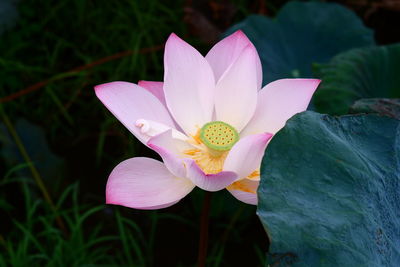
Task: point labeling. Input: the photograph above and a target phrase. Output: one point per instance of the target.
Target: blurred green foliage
(52, 56)
(50, 60)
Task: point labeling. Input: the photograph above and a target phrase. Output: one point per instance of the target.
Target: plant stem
(36, 176)
(204, 221)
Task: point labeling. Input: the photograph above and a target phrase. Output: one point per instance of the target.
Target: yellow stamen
(211, 160)
(254, 175)
(207, 161)
(240, 185)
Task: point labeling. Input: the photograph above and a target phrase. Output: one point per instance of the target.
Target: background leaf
(8, 14)
(329, 193)
(301, 34)
(359, 73)
(34, 140)
(383, 106)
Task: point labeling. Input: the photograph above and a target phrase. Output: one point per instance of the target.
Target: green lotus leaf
(302, 34)
(383, 106)
(330, 191)
(360, 73)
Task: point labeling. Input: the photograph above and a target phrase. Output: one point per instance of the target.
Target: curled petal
(152, 128)
(246, 155)
(226, 51)
(245, 190)
(208, 182)
(130, 102)
(171, 150)
(144, 183)
(188, 85)
(278, 101)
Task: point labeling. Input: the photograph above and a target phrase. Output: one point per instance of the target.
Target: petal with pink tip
(245, 190)
(171, 150)
(156, 88)
(278, 101)
(144, 183)
(130, 102)
(236, 91)
(226, 51)
(246, 155)
(188, 85)
(208, 182)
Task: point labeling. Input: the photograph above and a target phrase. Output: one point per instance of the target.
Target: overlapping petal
(130, 102)
(236, 91)
(145, 183)
(171, 150)
(245, 190)
(222, 86)
(209, 182)
(278, 101)
(246, 155)
(226, 52)
(156, 88)
(188, 85)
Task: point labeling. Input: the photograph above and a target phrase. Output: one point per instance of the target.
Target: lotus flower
(209, 121)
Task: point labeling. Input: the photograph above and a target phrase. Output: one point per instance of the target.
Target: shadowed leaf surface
(359, 73)
(383, 106)
(329, 192)
(301, 34)
(34, 140)
(8, 14)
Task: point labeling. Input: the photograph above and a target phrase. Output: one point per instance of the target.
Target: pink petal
(156, 88)
(188, 85)
(171, 150)
(278, 101)
(226, 51)
(130, 102)
(236, 92)
(245, 190)
(144, 183)
(208, 182)
(246, 155)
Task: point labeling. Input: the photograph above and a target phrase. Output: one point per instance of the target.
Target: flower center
(218, 135)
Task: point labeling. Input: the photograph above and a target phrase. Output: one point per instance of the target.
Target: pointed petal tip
(239, 33)
(267, 136)
(110, 84)
(100, 87)
(173, 37)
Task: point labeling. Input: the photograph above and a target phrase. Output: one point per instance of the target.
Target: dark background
(51, 55)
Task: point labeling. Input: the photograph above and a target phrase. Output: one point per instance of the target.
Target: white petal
(188, 85)
(145, 183)
(208, 182)
(245, 190)
(171, 150)
(226, 51)
(236, 91)
(130, 102)
(246, 155)
(278, 101)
